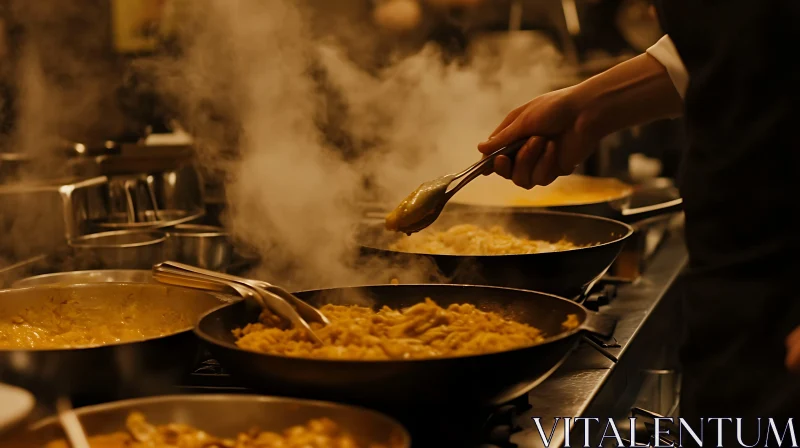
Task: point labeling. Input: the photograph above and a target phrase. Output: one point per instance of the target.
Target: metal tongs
(268, 296)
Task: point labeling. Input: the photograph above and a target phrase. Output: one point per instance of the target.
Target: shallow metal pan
(632, 204)
(225, 416)
(81, 277)
(109, 371)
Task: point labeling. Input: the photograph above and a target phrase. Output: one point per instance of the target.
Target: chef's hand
(542, 159)
(793, 351)
(562, 128)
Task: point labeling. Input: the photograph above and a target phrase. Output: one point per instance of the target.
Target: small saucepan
(208, 247)
(121, 249)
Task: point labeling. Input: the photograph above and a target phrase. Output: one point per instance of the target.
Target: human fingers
(571, 152)
(503, 166)
(546, 170)
(525, 161)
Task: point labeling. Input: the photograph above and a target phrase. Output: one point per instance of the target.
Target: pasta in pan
(78, 322)
(319, 433)
(469, 239)
(424, 330)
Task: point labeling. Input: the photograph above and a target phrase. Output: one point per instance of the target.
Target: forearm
(634, 92)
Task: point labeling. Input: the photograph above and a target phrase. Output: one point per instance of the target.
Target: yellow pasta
(469, 239)
(424, 330)
(77, 322)
(318, 433)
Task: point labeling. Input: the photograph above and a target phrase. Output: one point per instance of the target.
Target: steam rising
(257, 84)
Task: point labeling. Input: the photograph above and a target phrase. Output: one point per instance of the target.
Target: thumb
(503, 138)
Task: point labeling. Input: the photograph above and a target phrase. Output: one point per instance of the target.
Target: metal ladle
(268, 296)
(421, 208)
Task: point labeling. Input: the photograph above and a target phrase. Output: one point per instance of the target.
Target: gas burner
(601, 295)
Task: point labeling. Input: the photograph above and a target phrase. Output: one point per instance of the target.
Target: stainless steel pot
(157, 200)
(80, 277)
(227, 416)
(54, 210)
(113, 371)
(207, 247)
(121, 249)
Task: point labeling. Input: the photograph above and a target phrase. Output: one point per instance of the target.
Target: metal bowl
(121, 249)
(227, 416)
(204, 246)
(80, 277)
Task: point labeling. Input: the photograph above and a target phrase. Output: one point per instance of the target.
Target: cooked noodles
(86, 322)
(469, 239)
(318, 433)
(424, 330)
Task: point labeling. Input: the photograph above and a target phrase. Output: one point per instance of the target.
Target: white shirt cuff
(664, 51)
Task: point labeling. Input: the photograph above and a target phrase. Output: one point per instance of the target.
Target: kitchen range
(219, 262)
(612, 368)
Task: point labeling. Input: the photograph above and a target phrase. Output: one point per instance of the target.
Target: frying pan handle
(650, 211)
(599, 324)
(665, 192)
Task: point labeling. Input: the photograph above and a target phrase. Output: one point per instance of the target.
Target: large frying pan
(597, 196)
(224, 416)
(109, 371)
(564, 273)
(471, 381)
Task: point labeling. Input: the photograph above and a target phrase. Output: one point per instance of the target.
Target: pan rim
(193, 398)
(21, 283)
(180, 332)
(208, 339)
(629, 230)
(621, 197)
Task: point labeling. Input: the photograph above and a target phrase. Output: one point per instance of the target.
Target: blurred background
(91, 55)
(372, 96)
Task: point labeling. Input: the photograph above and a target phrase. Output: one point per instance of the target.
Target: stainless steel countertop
(588, 384)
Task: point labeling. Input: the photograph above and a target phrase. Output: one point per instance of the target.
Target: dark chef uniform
(741, 187)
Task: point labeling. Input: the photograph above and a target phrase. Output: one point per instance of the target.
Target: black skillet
(564, 273)
(470, 381)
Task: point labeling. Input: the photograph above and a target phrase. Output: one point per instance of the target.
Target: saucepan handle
(599, 324)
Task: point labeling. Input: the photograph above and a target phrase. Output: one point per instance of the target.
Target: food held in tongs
(421, 208)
